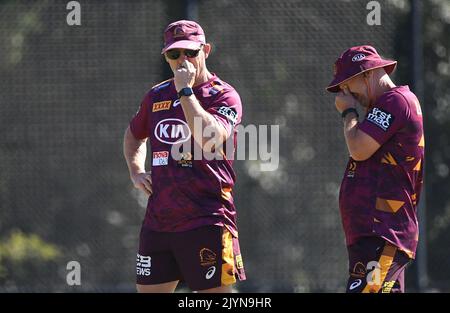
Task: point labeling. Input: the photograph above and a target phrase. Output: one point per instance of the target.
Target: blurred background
(67, 94)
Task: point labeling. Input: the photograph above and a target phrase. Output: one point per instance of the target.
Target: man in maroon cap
(189, 232)
(384, 176)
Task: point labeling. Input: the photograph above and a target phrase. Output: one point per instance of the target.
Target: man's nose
(182, 58)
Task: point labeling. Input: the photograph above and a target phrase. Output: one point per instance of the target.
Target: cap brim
(388, 65)
(182, 44)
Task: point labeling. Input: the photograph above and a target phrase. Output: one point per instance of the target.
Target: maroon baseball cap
(183, 34)
(355, 61)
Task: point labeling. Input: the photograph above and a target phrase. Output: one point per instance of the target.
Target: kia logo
(358, 57)
(172, 131)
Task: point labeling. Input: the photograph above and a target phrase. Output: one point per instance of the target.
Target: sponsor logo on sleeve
(229, 113)
(215, 89)
(161, 106)
(160, 158)
(380, 118)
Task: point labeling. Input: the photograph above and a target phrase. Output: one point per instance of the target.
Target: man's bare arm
(135, 152)
(194, 112)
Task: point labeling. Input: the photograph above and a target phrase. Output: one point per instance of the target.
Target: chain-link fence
(68, 92)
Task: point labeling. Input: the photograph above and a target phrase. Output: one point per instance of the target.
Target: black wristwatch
(349, 110)
(186, 91)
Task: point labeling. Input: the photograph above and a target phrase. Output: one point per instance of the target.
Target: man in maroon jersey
(384, 176)
(189, 232)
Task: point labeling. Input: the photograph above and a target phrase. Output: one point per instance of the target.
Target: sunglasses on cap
(175, 53)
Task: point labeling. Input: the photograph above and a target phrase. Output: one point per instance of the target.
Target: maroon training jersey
(187, 193)
(379, 196)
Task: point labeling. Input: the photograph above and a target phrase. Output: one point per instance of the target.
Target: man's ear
(345, 90)
(165, 58)
(366, 77)
(207, 48)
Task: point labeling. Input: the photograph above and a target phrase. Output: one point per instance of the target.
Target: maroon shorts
(205, 257)
(375, 265)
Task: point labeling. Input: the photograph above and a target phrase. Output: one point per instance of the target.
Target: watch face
(186, 92)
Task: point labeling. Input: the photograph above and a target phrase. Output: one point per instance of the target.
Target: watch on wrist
(186, 91)
(349, 110)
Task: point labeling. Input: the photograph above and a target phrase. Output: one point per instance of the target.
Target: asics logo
(211, 272)
(356, 284)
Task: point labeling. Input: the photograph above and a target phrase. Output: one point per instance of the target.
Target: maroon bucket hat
(183, 34)
(355, 61)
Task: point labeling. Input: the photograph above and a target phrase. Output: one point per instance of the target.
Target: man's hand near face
(184, 76)
(345, 100)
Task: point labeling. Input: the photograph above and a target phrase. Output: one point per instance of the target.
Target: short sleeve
(386, 117)
(139, 124)
(227, 110)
